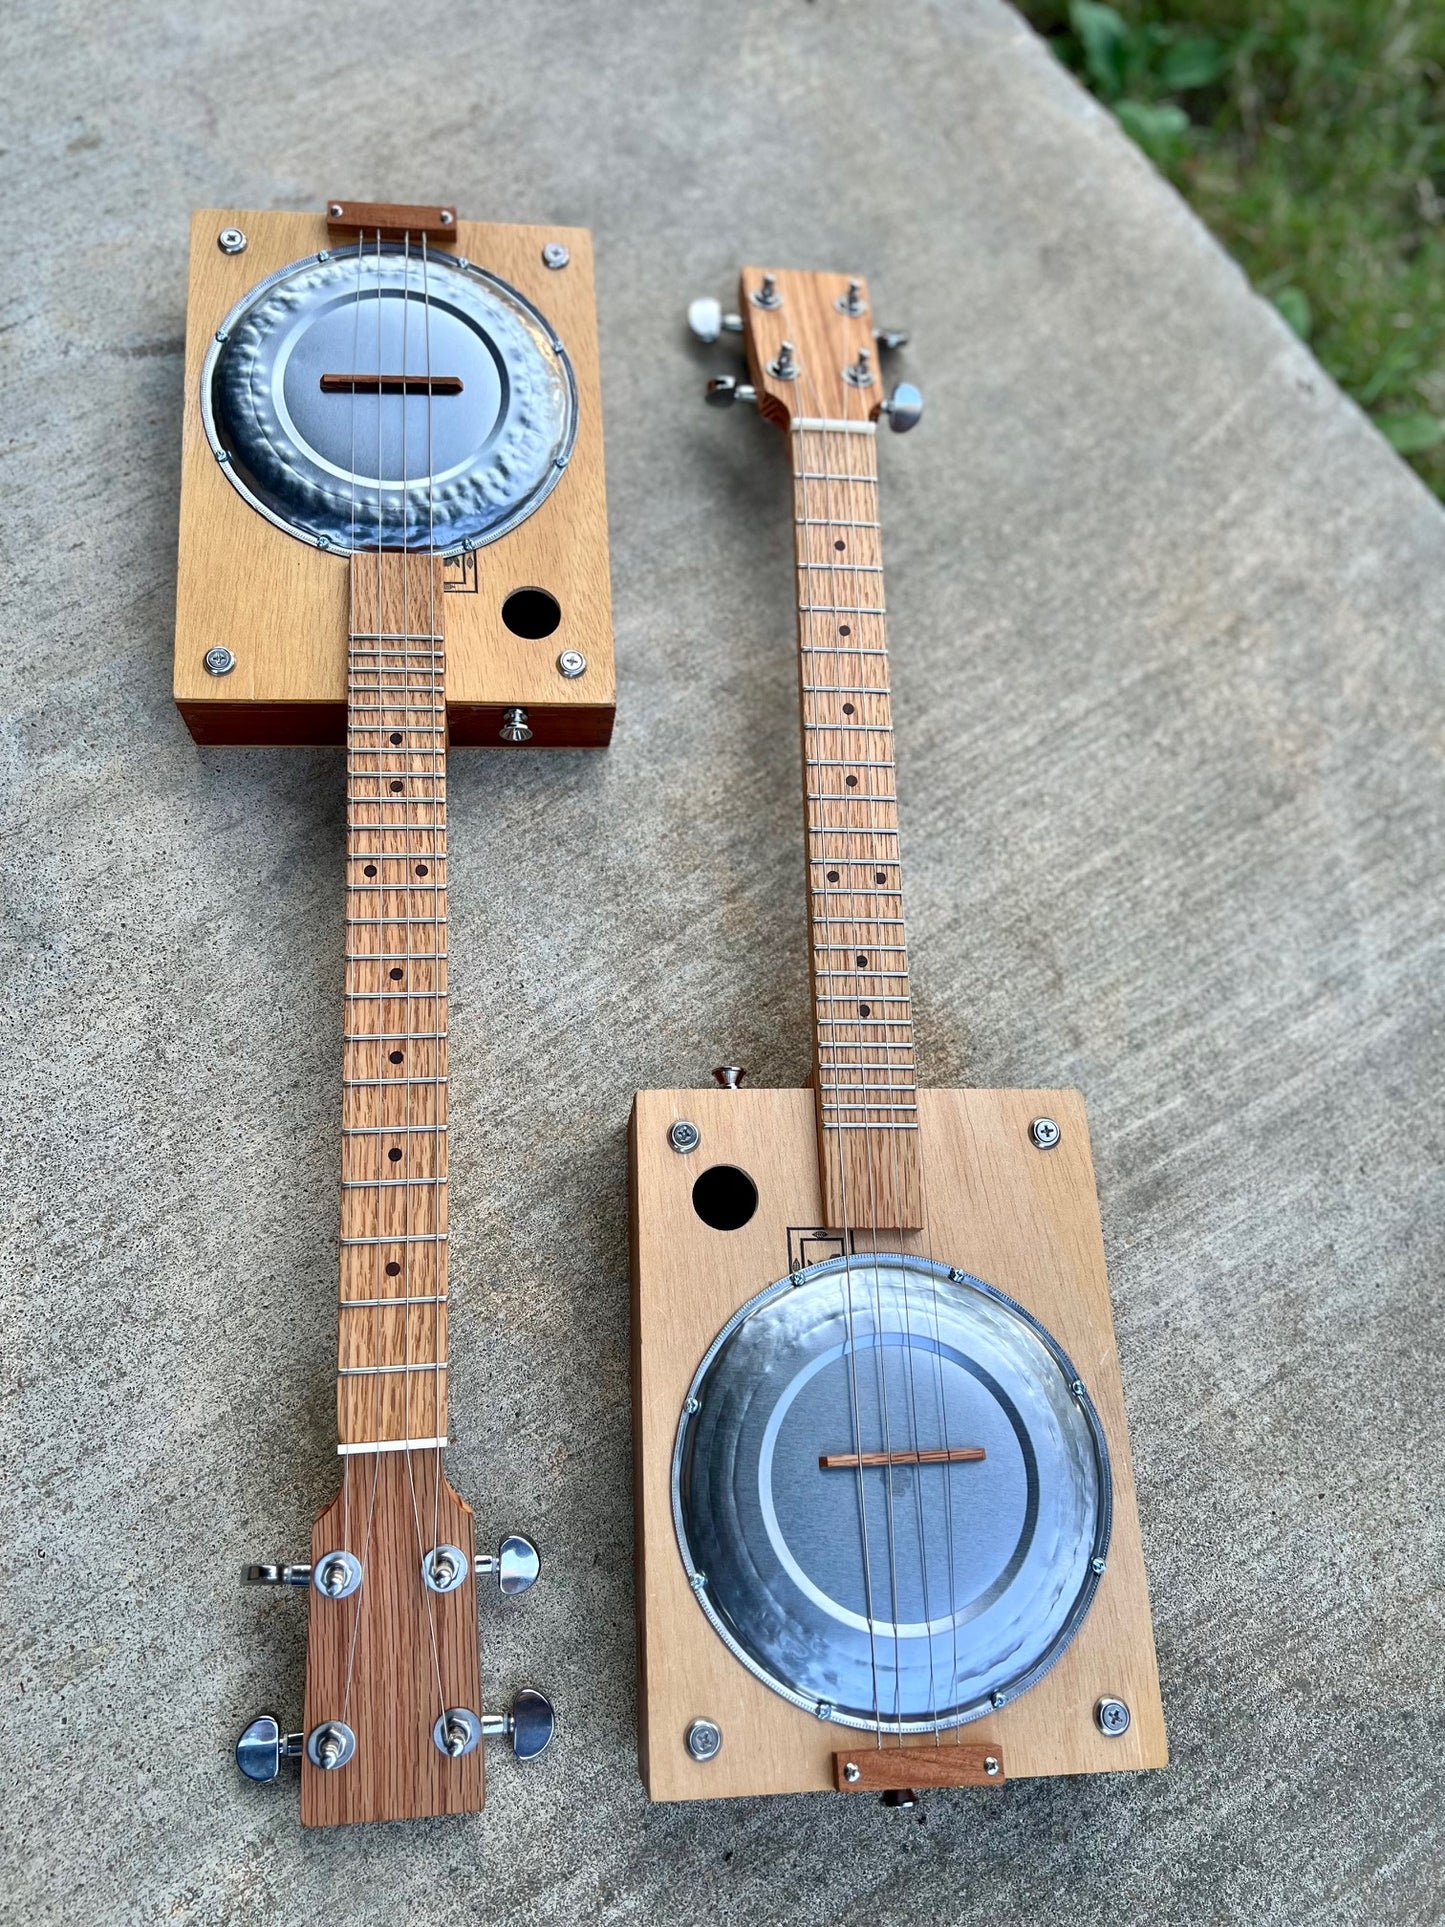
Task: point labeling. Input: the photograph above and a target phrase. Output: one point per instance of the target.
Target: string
(803, 471)
(439, 765)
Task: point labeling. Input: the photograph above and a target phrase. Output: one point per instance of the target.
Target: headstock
(394, 1722)
(813, 352)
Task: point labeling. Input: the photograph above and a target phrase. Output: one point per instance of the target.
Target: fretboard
(391, 1388)
(864, 1065)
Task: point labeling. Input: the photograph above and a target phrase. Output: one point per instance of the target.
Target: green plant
(1310, 135)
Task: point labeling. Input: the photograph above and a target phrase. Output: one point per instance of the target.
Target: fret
(407, 709)
(373, 829)
(431, 922)
(823, 475)
(867, 829)
(374, 996)
(867, 890)
(412, 1298)
(843, 609)
(863, 1063)
(381, 1184)
(395, 1083)
(865, 1086)
(833, 1125)
(861, 975)
(832, 522)
(851, 798)
(829, 1105)
(845, 762)
(392, 1036)
(383, 635)
(390, 1445)
(842, 689)
(411, 1238)
(397, 889)
(853, 568)
(387, 1130)
(380, 1371)
(396, 956)
(854, 729)
(831, 997)
(403, 653)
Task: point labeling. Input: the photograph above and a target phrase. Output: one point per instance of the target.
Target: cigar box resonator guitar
(392, 528)
(345, 392)
(886, 1523)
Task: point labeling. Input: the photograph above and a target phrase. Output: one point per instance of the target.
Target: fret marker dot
(864, 1009)
(395, 1057)
(862, 961)
(851, 781)
(847, 709)
(840, 544)
(370, 870)
(393, 1270)
(396, 735)
(879, 876)
(395, 975)
(421, 870)
(395, 1156)
(844, 630)
(397, 784)
(832, 876)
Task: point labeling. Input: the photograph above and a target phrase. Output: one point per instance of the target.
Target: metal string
(803, 471)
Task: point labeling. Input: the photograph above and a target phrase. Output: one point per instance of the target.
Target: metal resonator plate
(401, 466)
(901, 1598)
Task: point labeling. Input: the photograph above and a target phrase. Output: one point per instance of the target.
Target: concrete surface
(1167, 620)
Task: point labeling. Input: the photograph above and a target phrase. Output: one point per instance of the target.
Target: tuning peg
(903, 408)
(263, 1746)
(722, 391)
(706, 319)
(517, 1564)
(528, 1723)
(891, 339)
(277, 1575)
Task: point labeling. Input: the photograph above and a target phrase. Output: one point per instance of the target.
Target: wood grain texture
(392, 1346)
(389, 1658)
(1025, 1221)
(280, 604)
(392, 220)
(862, 1769)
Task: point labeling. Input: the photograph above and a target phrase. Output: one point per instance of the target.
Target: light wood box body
(1024, 1220)
(281, 604)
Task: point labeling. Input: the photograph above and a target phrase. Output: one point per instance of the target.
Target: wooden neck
(391, 1385)
(863, 1017)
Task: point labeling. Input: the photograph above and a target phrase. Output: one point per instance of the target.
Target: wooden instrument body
(280, 605)
(1027, 1222)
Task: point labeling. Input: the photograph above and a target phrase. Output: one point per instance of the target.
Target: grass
(1310, 136)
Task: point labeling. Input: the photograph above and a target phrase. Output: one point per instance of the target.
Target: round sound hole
(725, 1197)
(369, 399)
(897, 1504)
(531, 613)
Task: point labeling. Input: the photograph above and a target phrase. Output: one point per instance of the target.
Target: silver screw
(684, 1137)
(219, 662)
(996, 1700)
(1044, 1134)
(332, 1576)
(336, 210)
(231, 240)
(692, 1406)
(572, 663)
(704, 1739)
(446, 217)
(1077, 1388)
(991, 1766)
(852, 1772)
(1099, 1565)
(555, 255)
(824, 1709)
(1112, 1717)
(698, 1582)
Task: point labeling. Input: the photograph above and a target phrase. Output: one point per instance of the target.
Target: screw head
(555, 255)
(852, 1772)
(996, 1700)
(1077, 1388)
(1044, 1133)
(330, 1745)
(572, 663)
(1112, 1717)
(219, 662)
(692, 1406)
(1098, 1565)
(991, 1766)
(704, 1739)
(231, 240)
(698, 1582)
(335, 210)
(824, 1709)
(446, 217)
(684, 1137)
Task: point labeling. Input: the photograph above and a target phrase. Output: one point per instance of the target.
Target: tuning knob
(516, 1564)
(299, 1575)
(706, 319)
(890, 340)
(263, 1746)
(903, 408)
(528, 1723)
(722, 391)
